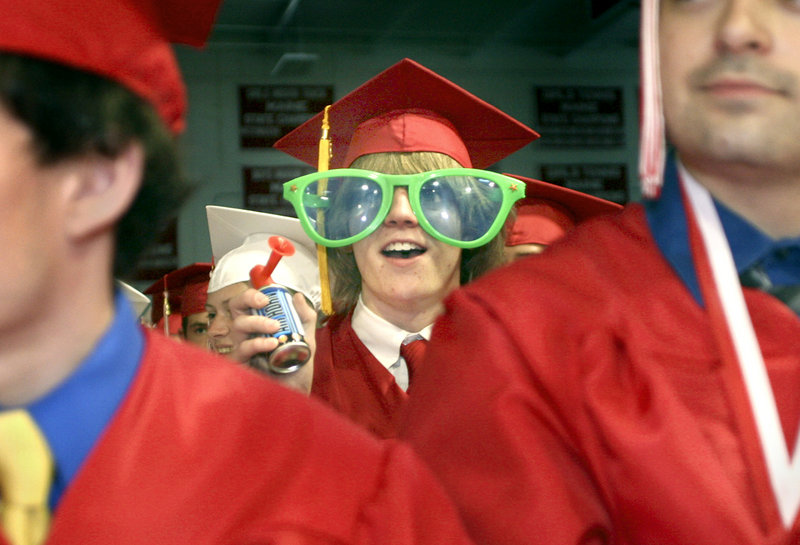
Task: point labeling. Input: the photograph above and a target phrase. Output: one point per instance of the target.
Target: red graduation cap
(127, 41)
(174, 327)
(193, 299)
(549, 211)
(186, 292)
(408, 107)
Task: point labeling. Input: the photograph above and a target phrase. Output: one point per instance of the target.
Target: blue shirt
(74, 415)
(749, 245)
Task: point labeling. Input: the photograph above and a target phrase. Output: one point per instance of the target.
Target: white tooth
(402, 247)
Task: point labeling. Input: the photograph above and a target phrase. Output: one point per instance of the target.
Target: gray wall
(505, 79)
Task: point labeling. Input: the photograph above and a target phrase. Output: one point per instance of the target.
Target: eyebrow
(225, 305)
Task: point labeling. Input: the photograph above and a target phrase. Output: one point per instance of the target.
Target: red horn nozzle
(260, 275)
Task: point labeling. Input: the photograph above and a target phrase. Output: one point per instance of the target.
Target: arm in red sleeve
(496, 438)
(409, 505)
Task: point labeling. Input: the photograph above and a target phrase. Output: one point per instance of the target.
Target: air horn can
(292, 351)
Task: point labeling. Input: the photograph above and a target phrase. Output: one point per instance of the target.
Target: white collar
(380, 337)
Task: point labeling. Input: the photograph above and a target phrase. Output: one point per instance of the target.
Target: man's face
(196, 329)
(729, 71)
(32, 229)
(403, 267)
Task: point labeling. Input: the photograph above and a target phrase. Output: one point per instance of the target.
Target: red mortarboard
(127, 41)
(194, 295)
(549, 211)
(411, 108)
(186, 291)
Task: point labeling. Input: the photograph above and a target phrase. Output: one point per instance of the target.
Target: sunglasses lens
(341, 207)
(461, 208)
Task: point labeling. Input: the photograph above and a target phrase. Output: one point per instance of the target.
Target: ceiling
(465, 27)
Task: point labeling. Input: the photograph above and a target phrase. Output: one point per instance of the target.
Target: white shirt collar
(380, 337)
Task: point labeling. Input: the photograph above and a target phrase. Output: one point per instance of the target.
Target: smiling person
(111, 432)
(402, 231)
(637, 382)
(240, 242)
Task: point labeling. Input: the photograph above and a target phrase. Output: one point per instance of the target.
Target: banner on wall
(268, 112)
(605, 180)
(263, 187)
(582, 116)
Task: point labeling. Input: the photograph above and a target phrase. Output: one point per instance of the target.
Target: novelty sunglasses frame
(294, 191)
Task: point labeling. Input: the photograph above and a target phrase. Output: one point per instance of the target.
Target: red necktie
(413, 352)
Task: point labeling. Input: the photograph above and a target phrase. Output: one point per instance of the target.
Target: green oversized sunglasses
(463, 207)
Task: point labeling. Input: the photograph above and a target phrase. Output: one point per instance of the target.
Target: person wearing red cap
(408, 218)
(547, 213)
(134, 438)
(194, 317)
(179, 303)
(633, 384)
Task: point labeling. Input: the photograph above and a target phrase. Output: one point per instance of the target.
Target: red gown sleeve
(409, 505)
(566, 400)
(496, 441)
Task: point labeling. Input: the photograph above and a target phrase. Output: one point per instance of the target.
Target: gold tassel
(322, 252)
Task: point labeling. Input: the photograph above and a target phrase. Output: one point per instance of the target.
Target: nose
(744, 27)
(401, 214)
(219, 326)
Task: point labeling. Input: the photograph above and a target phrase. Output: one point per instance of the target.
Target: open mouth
(403, 250)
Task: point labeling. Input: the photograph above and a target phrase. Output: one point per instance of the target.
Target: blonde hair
(345, 276)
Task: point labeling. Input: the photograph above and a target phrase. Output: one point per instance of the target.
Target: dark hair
(73, 113)
(345, 276)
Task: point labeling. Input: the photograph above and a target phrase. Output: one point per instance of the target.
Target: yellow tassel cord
(322, 251)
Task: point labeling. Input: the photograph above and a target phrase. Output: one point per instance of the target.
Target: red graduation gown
(586, 402)
(202, 451)
(349, 378)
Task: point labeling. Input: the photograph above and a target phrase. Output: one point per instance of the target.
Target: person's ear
(103, 191)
